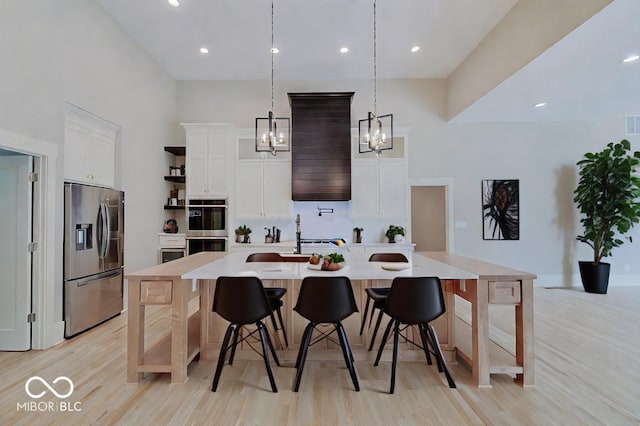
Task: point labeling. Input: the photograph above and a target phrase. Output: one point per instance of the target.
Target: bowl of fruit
(333, 262)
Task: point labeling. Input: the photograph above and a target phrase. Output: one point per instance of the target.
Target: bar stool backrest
(241, 300)
(415, 300)
(388, 257)
(326, 299)
(264, 257)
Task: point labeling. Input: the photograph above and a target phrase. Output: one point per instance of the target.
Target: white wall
(71, 51)
(541, 155)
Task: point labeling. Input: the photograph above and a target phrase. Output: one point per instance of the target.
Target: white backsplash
(338, 224)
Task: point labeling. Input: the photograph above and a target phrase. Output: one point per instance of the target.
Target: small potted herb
(395, 233)
(242, 234)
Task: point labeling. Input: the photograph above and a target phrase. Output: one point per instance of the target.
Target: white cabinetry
(208, 159)
(263, 189)
(379, 188)
(89, 148)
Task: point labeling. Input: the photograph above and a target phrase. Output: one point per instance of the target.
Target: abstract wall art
(500, 209)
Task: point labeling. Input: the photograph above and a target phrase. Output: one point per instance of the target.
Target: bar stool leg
(348, 356)
(223, 352)
(364, 316)
(284, 332)
(385, 336)
(375, 330)
(438, 351)
(265, 354)
(270, 343)
(302, 355)
(425, 343)
(236, 333)
(394, 361)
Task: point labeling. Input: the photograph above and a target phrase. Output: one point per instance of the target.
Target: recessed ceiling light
(539, 104)
(174, 3)
(275, 50)
(204, 50)
(344, 49)
(414, 49)
(632, 58)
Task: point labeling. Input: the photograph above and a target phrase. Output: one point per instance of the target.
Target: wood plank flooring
(587, 351)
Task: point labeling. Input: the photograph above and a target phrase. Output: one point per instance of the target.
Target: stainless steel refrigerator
(93, 255)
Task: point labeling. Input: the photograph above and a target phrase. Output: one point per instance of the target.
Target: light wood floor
(587, 372)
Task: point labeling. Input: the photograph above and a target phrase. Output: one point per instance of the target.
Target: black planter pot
(595, 278)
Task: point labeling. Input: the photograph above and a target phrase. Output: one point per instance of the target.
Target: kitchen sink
(291, 257)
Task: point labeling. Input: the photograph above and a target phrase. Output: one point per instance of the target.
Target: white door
(15, 259)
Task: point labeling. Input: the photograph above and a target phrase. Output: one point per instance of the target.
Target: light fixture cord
(375, 65)
(272, 46)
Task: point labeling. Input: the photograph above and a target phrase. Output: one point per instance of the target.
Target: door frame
(47, 330)
(447, 183)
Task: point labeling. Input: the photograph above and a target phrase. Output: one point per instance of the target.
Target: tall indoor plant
(608, 197)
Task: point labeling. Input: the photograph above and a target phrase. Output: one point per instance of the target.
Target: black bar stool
(325, 300)
(415, 301)
(274, 294)
(378, 294)
(242, 301)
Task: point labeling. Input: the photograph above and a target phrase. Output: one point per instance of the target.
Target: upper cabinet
(263, 189)
(263, 181)
(208, 158)
(89, 148)
(380, 185)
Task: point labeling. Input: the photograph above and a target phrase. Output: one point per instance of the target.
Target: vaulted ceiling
(576, 70)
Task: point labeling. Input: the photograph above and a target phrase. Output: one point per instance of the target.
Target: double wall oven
(206, 225)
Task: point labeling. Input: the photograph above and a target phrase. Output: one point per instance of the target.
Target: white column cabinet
(379, 188)
(248, 201)
(263, 189)
(276, 189)
(208, 160)
(89, 148)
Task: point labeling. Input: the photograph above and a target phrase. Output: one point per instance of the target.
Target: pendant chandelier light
(375, 133)
(272, 133)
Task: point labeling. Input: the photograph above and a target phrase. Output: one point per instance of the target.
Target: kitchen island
(163, 285)
(478, 282)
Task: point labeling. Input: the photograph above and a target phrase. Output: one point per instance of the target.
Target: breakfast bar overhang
(187, 286)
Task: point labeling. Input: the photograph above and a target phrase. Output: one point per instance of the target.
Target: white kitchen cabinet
(89, 148)
(263, 189)
(379, 188)
(208, 160)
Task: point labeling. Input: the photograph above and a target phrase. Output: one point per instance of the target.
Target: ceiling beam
(530, 28)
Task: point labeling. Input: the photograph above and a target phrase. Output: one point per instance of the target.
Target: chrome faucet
(298, 233)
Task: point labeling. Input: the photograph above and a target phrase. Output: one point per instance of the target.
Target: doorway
(16, 209)
(431, 213)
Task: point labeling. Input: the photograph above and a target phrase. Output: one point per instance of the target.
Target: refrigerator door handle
(102, 231)
(107, 224)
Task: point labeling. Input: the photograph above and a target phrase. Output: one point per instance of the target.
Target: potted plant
(607, 196)
(242, 234)
(393, 232)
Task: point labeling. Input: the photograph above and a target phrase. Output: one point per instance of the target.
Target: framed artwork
(500, 209)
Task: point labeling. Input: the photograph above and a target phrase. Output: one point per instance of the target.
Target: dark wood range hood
(321, 146)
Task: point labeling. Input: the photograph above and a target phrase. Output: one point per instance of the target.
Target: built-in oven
(206, 225)
(198, 244)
